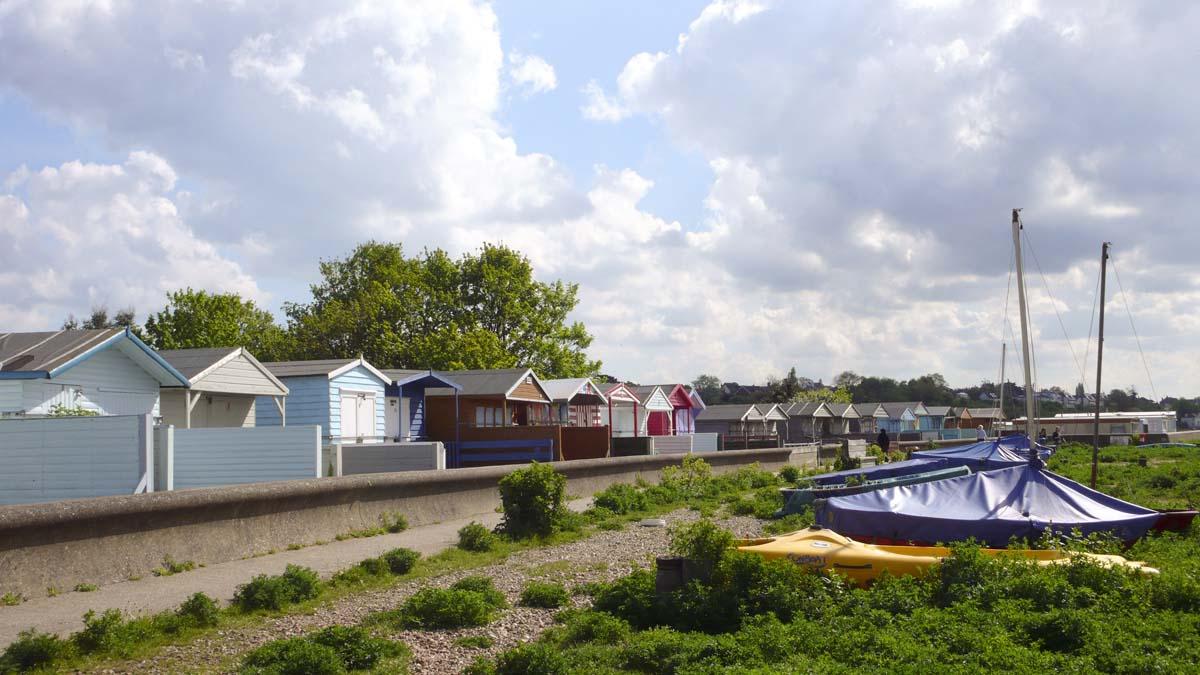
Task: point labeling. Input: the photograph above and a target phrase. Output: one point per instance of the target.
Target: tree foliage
(99, 318)
(484, 310)
(196, 319)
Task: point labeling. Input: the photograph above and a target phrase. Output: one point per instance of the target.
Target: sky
(738, 186)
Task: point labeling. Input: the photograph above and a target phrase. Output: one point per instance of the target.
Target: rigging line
(1053, 302)
(1137, 339)
(1032, 388)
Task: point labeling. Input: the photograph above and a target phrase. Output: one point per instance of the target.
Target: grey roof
(566, 389)
(895, 409)
(729, 412)
(987, 413)
(939, 410)
(33, 352)
(486, 382)
(306, 368)
(645, 391)
(839, 409)
(805, 409)
(192, 362)
(772, 411)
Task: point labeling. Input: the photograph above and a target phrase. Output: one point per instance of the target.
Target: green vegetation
(389, 523)
(337, 649)
(534, 501)
(475, 537)
(171, 567)
(10, 599)
(473, 601)
(86, 587)
(264, 592)
(790, 473)
(1170, 479)
(474, 642)
(544, 594)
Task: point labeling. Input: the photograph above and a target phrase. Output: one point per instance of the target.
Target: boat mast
(1003, 359)
(1030, 423)
(1099, 364)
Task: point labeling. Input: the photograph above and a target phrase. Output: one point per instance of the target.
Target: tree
(483, 311)
(708, 386)
(99, 318)
(788, 389)
(196, 319)
(848, 379)
(1080, 392)
(825, 395)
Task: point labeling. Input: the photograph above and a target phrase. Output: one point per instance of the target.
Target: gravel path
(602, 557)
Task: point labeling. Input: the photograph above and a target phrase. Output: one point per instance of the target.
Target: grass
(11, 599)
(474, 642)
(171, 567)
(545, 595)
(1170, 481)
(86, 588)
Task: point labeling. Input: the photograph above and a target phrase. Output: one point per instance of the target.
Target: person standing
(883, 442)
(980, 434)
(1056, 437)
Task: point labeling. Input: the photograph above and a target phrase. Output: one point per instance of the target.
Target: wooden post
(1099, 363)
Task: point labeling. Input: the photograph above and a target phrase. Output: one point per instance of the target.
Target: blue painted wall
(307, 403)
(358, 379)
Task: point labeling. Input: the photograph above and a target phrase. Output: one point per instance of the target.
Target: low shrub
(110, 634)
(620, 498)
(356, 648)
(393, 522)
(33, 650)
(632, 598)
(843, 461)
(595, 627)
(475, 537)
(292, 656)
(431, 608)
(702, 542)
(790, 473)
(790, 523)
(171, 567)
(474, 642)
(533, 500)
(11, 599)
(401, 560)
(264, 592)
(536, 658)
(86, 587)
(483, 586)
(375, 567)
(200, 611)
(544, 594)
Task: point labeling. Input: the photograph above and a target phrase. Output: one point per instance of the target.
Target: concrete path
(63, 614)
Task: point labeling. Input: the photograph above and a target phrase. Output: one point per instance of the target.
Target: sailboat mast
(1003, 359)
(1099, 364)
(1030, 423)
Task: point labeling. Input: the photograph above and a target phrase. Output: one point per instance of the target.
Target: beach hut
(105, 371)
(698, 407)
(869, 416)
(731, 419)
(580, 409)
(845, 418)
(498, 416)
(990, 418)
(681, 420)
(899, 417)
(655, 412)
(345, 397)
(808, 421)
(773, 419)
(223, 386)
(624, 408)
(405, 399)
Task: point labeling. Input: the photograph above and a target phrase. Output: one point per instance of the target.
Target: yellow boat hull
(826, 550)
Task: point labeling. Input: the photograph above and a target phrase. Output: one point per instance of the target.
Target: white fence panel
(229, 456)
(672, 445)
(389, 457)
(52, 458)
(705, 442)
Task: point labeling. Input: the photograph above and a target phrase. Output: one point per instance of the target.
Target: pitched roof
(939, 410)
(566, 389)
(497, 382)
(843, 409)
(987, 413)
(772, 411)
(195, 364)
(327, 367)
(895, 409)
(730, 412)
(400, 376)
(46, 354)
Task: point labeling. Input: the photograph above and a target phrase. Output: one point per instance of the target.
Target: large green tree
(484, 310)
(195, 319)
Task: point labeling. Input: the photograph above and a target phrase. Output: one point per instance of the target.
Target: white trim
(361, 362)
(430, 373)
(355, 390)
(521, 380)
(219, 362)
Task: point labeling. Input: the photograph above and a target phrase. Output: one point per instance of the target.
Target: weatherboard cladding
(111, 383)
(732, 412)
(652, 398)
(237, 375)
(192, 362)
(307, 403)
(357, 379)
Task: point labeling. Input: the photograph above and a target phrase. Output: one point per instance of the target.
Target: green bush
(632, 598)
(595, 627)
(431, 608)
(690, 480)
(393, 522)
(620, 498)
(790, 473)
(293, 656)
(200, 611)
(474, 642)
(401, 560)
(375, 567)
(483, 586)
(544, 594)
(109, 633)
(533, 500)
(702, 542)
(537, 658)
(843, 461)
(33, 650)
(172, 567)
(264, 592)
(790, 523)
(475, 537)
(356, 648)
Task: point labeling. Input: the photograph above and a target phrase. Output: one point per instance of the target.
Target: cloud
(531, 73)
(600, 107)
(81, 235)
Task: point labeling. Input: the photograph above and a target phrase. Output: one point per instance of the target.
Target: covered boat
(862, 563)
(980, 456)
(993, 507)
(796, 499)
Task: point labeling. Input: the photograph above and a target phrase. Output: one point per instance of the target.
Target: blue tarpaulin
(981, 456)
(993, 507)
